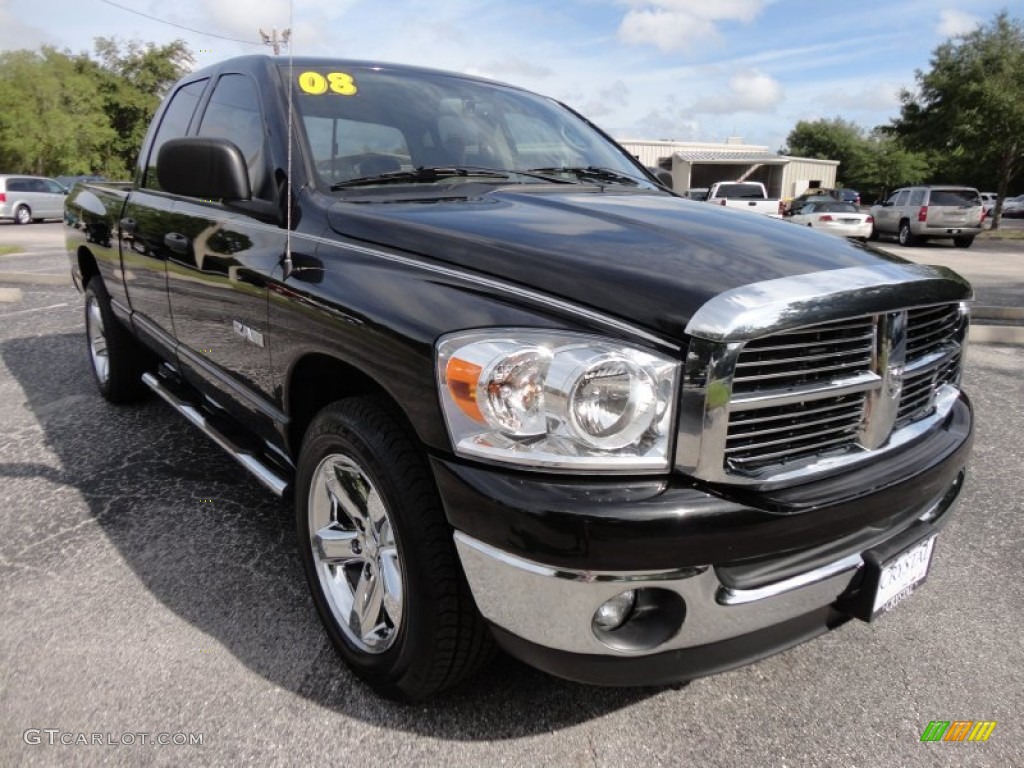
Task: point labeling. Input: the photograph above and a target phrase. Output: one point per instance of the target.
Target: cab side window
(173, 125)
(234, 113)
(901, 198)
(916, 197)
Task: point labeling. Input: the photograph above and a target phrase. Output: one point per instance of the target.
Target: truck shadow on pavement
(219, 551)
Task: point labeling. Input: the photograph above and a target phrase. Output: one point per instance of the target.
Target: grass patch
(6, 249)
(1002, 234)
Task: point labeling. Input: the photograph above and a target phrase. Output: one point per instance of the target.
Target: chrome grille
(930, 328)
(802, 395)
(920, 385)
(805, 356)
(813, 373)
(782, 433)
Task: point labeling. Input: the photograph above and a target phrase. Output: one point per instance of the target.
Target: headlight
(556, 399)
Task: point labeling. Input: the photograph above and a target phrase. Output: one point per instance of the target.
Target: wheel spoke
(335, 547)
(366, 604)
(350, 490)
(391, 576)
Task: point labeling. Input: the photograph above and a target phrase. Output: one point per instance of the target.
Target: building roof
(726, 156)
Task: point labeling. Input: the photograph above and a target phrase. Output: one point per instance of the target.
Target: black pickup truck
(518, 390)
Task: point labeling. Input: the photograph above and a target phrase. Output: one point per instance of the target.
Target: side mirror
(209, 169)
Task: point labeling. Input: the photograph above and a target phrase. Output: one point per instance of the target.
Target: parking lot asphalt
(148, 586)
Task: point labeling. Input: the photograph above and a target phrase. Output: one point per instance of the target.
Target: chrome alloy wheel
(97, 340)
(355, 553)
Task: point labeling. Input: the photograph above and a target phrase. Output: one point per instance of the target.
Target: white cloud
(680, 24)
(952, 23)
(747, 91)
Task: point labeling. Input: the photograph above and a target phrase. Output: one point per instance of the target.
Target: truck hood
(645, 257)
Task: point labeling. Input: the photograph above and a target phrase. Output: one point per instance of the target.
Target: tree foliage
(969, 107)
(73, 114)
(835, 139)
(872, 163)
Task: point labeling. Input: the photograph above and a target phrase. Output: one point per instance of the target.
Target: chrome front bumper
(554, 607)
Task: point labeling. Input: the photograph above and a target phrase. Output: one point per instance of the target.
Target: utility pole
(273, 41)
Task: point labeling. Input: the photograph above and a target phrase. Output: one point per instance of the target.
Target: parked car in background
(988, 201)
(1013, 207)
(24, 199)
(815, 195)
(915, 214)
(697, 193)
(851, 196)
(746, 196)
(798, 203)
(843, 219)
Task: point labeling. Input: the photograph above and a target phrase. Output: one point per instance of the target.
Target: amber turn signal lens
(462, 378)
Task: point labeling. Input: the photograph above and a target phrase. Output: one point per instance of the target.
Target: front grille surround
(784, 403)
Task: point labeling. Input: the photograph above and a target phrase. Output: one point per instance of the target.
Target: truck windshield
(369, 125)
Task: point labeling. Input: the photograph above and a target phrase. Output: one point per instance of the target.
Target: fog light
(613, 613)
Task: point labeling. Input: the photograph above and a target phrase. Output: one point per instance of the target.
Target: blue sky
(698, 70)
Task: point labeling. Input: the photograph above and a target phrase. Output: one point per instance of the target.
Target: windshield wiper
(423, 174)
(593, 172)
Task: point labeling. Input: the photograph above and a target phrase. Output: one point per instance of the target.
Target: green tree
(835, 139)
(889, 164)
(132, 79)
(969, 107)
(74, 114)
(51, 117)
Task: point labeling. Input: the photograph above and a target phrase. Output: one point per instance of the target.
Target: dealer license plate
(901, 575)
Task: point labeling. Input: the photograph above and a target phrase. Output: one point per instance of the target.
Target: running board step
(247, 459)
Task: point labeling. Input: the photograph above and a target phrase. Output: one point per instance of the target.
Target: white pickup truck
(745, 195)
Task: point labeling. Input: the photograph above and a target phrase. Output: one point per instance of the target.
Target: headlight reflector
(556, 399)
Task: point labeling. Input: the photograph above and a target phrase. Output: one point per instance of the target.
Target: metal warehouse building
(699, 165)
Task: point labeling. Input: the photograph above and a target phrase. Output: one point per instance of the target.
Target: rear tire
(379, 555)
(905, 236)
(874, 234)
(116, 358)
(963, 242)
(23, 215)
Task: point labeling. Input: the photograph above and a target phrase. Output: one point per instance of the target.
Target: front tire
(905, 236)
(23, 215)
(379, 555)
(116, 358)
(963, 242)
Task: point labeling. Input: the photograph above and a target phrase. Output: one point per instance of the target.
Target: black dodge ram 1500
(519, 391)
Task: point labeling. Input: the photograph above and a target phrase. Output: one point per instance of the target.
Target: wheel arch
(88, 267)
(316, 380)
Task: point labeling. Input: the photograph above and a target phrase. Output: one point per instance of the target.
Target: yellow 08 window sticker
(340, 83)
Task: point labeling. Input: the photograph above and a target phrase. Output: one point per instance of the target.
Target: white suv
(915, 214)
